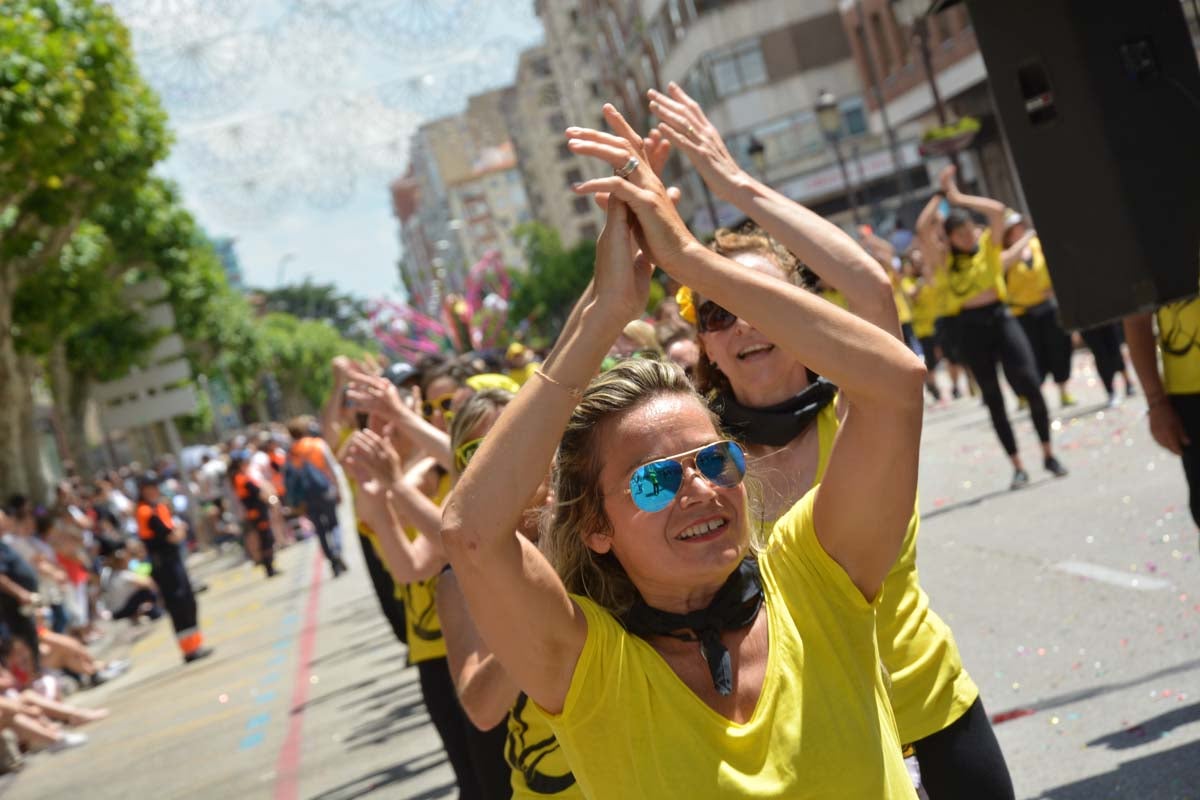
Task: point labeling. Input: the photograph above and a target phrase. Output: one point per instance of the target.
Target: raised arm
(933, 252)
(992, 210)
(877, 446)
(330, 417)
(375, 466)
(376, 395)
(485, 691)
(822, 246)
(519, 604)
(1012, 254)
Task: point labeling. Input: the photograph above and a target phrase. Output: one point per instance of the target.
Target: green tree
(77, 124)
(298, 352)
(544, 295)
(320, 301)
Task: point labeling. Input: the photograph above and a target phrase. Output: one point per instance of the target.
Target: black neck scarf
(779, 424)
(734, 606)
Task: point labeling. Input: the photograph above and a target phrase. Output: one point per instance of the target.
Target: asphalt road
(1075, 602)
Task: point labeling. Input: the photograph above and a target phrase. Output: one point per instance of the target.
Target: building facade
(758, 67)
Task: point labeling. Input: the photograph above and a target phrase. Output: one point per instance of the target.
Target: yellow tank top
(539, 768)
(1028, 282)
(969, 275)
(822, 727)
(930, 687)
(834, 296)
(425, 640)
(1179, 343)
(925, 304)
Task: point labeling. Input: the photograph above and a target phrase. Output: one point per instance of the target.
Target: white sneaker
(68, 741)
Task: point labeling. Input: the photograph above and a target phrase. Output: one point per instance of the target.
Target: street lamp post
(919, 22)
(829, 118)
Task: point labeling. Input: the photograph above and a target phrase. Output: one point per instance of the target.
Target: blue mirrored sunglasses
(653, 486)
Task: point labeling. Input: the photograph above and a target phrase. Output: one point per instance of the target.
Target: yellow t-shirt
(539, 768)
(522, 374)
(822, 727)
(970, 274)
(425, 641)
(1179, 343)
(1028, 282)
(834, 296)
(903, 309)
(930, 688)
(926, 305)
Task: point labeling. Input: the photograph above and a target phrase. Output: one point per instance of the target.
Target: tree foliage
(320, 301)
(299, 352)
(544, 295)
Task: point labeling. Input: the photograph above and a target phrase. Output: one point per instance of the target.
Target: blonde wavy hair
(474, 412)
(579, 505)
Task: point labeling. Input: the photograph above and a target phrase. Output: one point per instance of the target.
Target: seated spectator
(126, 594)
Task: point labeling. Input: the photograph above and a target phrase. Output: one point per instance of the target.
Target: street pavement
(1075, 602)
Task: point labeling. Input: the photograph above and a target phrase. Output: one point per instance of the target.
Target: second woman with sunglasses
(790, 419)
(671, 655)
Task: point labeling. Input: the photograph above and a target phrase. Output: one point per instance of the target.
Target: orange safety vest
(145, 513)
(241, 485)
(309, 449)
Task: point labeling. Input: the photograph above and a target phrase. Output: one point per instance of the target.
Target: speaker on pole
(1100, 103)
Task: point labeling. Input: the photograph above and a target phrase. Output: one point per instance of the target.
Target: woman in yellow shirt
(968, 260)
(667, 662)
(788, 419)
(1031, 301)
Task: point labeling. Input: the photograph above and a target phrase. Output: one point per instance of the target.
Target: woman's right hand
(622, 282)
(684, 124)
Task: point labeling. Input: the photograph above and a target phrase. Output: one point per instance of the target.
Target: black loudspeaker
(1100, 103)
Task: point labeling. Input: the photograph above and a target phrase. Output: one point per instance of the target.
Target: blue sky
(292, 116)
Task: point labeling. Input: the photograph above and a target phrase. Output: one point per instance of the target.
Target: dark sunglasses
(442, 404)
(711, 318)
(653, 486)
(465, 452)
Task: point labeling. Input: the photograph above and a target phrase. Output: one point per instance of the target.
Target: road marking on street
(265, 697)
(1113, 577)
(251, 741)
(257, 721)
(287, 767)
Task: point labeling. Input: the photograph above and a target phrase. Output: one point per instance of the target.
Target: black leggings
(477, 758)
(929, 345)
(964, 760)
(1051, 345)
(990, 336)
(1105, 344)
(385, 589)
(1187, 406)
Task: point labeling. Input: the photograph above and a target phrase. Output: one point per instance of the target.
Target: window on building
(903, 34)
(657, 43)
(883, 46)
(854, 117)
(574, 176)
(548, 95)
(557, 122)
(588, 231)
(675, 15)
(564, 152)
(738, 70)
(699, 85)
(705, 6)
(573, 14)
(942, 28)
(585, 54)
(541, 67)
(583, 205)
(614, 31)
(595, 88)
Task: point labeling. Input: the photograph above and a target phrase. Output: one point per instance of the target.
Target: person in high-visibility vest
(162, 535)
(253, 498)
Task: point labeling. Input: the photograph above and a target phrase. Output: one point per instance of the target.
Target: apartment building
(758, 68)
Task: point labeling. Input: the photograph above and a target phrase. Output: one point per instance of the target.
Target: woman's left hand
(622, 273)
(664, 233)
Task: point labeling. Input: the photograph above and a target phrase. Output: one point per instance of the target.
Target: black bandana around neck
(779, 424)
(734, 606)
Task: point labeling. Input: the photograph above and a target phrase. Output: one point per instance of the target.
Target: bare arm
(1165, 425)
(933, 252)
(484, 689)
(330, 417)
(1013, 254)
(518, 602)
(991, 209)
(882, 379)
(821, 245)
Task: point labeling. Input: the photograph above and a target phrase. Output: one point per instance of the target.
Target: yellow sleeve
(596, 671)
(798, 557)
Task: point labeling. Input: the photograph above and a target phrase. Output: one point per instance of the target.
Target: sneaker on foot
(67, 741)
(1130, 389)
(1113, 400)
(1053, 465)
(1020, 480)
(955, 393)
(197, 654)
